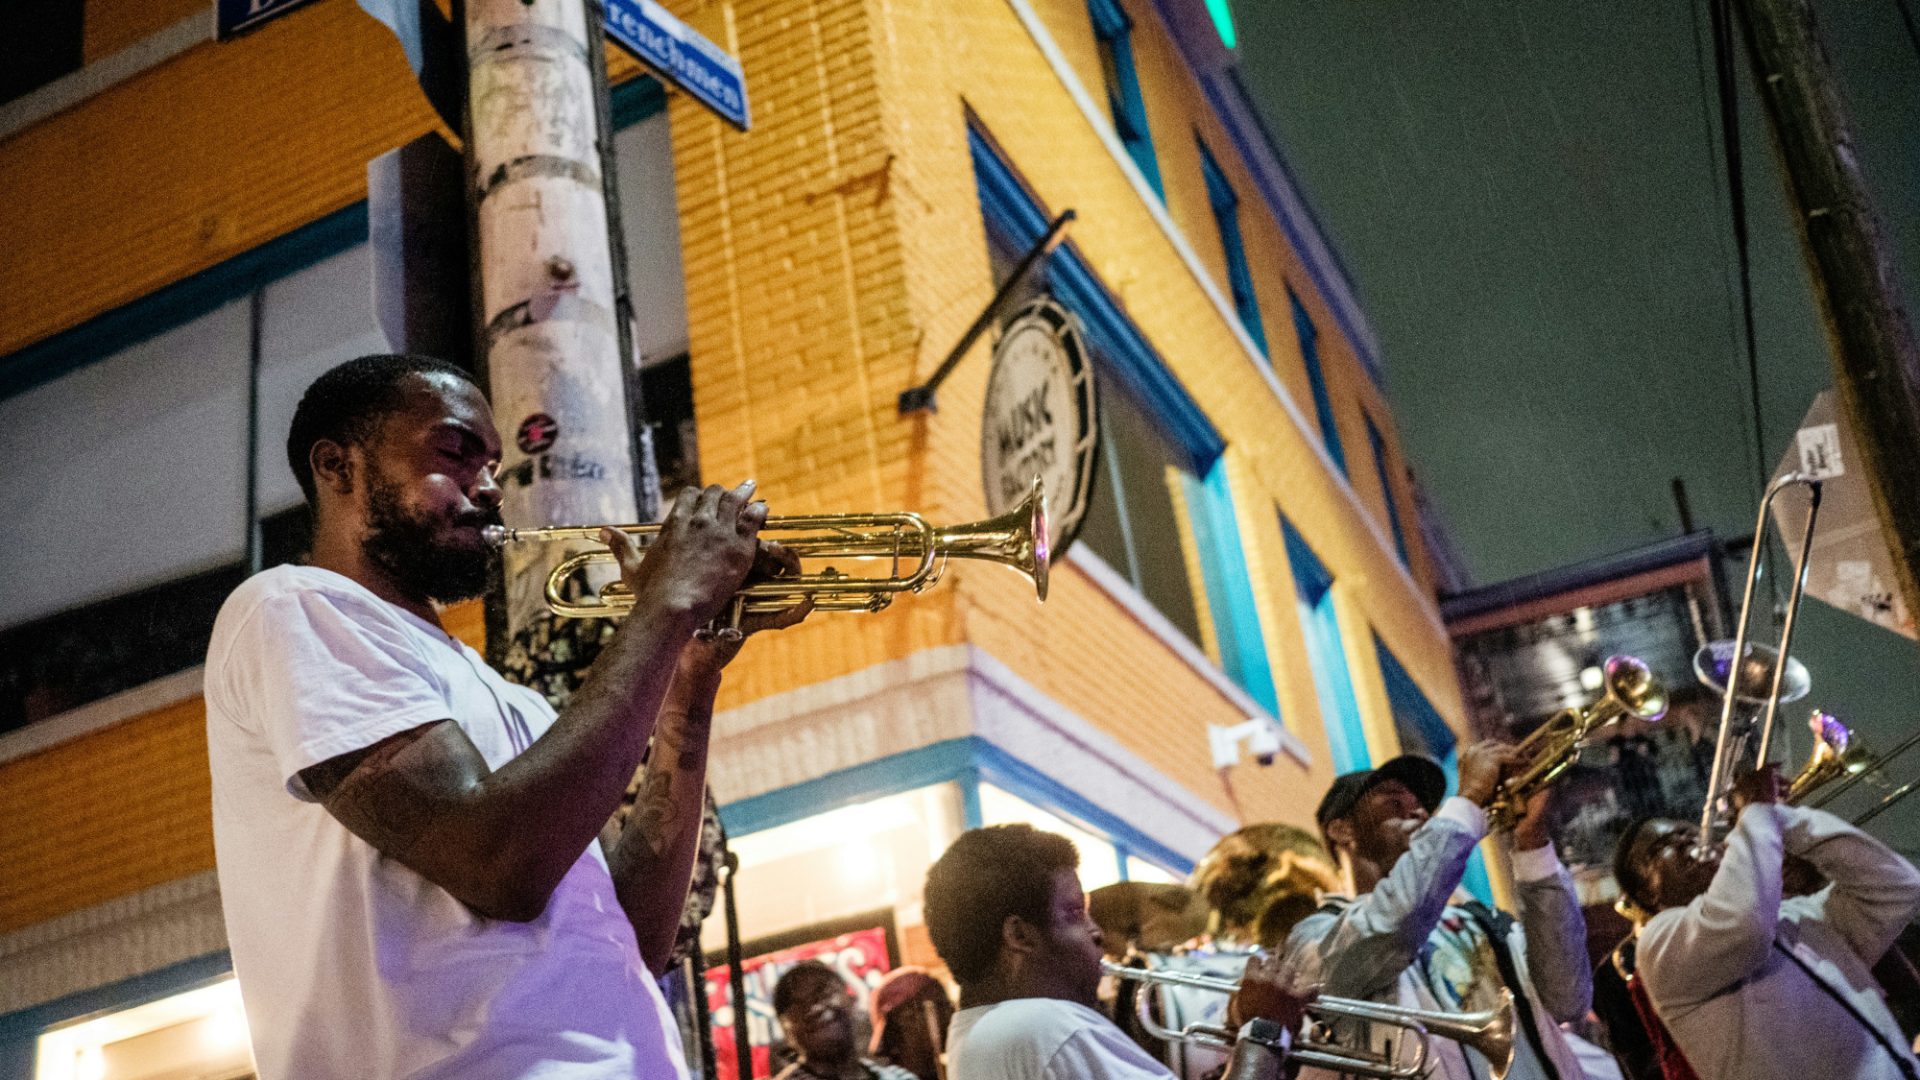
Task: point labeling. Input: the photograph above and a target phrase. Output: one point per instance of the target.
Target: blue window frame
(969, 761)
(1322, 401)
(1113, 32)
(1226, 214)
(1339, 707)
(1236, 621)
(1422, 731)
(1126, 362)
(1379, 445)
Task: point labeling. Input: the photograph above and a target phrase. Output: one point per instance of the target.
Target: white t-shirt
(351, 965)
(1043, 1039)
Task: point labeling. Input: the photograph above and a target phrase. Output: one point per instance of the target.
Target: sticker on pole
(1820, 451)
(682, 55)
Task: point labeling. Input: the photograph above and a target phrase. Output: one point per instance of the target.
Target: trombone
(915, 551)
(1632, 690)
(1490, 1032)
(1839, 762)
(1746, 666)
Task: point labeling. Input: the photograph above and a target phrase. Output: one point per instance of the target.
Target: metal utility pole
(554, 332)
(1876, 363)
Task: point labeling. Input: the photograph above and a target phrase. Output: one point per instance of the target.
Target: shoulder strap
(1901, 1056)
(1497, 924)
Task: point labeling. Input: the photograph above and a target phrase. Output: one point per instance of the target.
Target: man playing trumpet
(1754, 986)
(1006, 914)
(408, 845)
(1400, 938)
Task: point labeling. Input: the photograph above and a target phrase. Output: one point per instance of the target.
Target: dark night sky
(1527, 197)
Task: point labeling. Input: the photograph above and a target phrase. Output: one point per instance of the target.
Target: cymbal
(1148, 915)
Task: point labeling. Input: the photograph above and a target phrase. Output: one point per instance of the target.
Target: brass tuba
(1631, 690)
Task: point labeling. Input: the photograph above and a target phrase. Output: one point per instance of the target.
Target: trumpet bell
(1713, 665)
(1633, 689)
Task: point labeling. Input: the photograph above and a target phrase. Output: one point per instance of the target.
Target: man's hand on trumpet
(707, 654)
(1266, 992)
(707, 545)
(1482, 766)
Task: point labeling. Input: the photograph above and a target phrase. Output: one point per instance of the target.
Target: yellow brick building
(184, 222)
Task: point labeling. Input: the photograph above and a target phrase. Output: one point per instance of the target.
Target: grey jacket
(1372, 946)
(1734, 973)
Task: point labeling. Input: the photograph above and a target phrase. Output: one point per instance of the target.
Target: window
(1322, 402)
(1326, 654)
(1236, 622)
(1113, 31)
(1159, 453)
(43, 42)
(1379, 445)
(1131, 521)
(165, 379)
(1226, 214)
(1422, 731)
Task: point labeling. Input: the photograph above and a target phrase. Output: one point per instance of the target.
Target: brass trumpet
(1632, 690)
(1490, 1032)
(916, 554)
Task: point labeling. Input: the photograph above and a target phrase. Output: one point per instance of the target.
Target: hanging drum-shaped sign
(1042, 419)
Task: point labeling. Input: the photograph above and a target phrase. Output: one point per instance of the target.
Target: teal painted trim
(969, 761)
(891, 775)
(1226, 217)
(635, 100)
(1223, 22)
(1332, 680)
(1229, 587)
(972, 817)
(191, 297)
(1475, 880)
(181, 302)
(1379, 445)
(1322, 399)
(26, 1025)
(1113, 32)
(1422, 729)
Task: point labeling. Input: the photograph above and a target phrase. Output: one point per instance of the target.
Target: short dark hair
(987, 875)
(1633, 885)
(346, 405)
(798, 978)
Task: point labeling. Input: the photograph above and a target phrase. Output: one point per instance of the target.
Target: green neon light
(1222, 21)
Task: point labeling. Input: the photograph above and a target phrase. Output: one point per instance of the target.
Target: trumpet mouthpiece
(496, 535)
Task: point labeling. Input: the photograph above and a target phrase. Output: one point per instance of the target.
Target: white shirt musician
(1757, 987)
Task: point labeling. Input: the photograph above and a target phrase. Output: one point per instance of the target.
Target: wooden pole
(551, 340)
(1876, 364)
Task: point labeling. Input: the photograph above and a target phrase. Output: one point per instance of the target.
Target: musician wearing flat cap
(1755, 984)
(1401, 938)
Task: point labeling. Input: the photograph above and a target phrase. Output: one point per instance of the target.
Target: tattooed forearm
(653, 814)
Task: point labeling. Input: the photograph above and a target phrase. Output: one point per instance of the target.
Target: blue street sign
(678, 52)
(230, 17)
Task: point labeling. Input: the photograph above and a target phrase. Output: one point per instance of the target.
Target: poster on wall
(861, 949)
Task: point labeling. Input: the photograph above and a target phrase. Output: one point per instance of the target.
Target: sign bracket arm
(921, 398)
